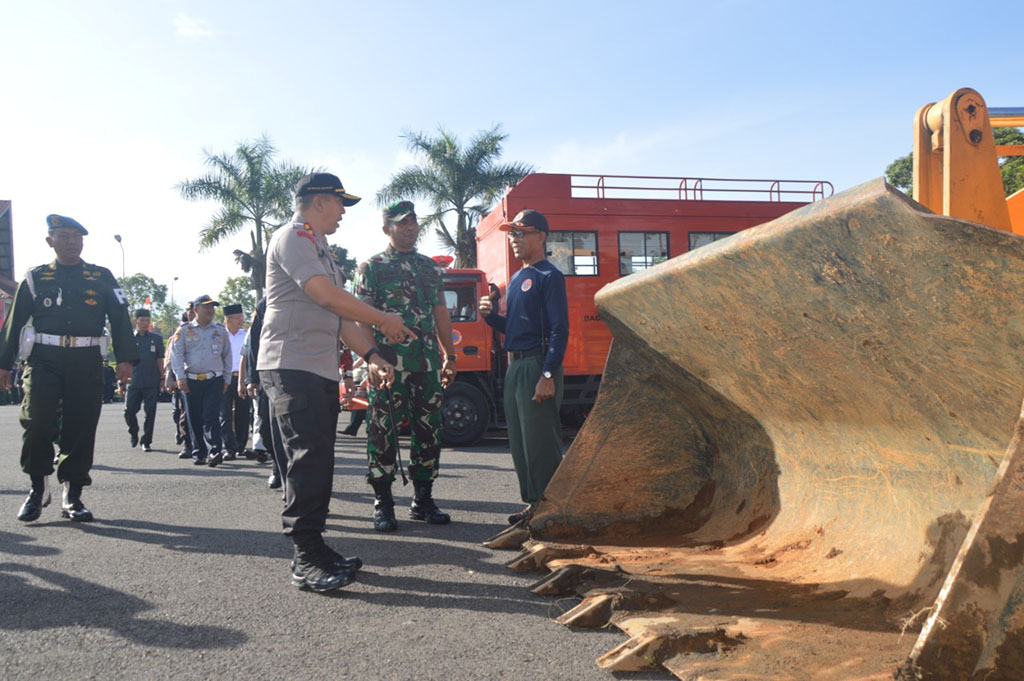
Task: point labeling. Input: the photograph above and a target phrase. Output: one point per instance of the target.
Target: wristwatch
(546, 374)
(451, 358)
(370, 353)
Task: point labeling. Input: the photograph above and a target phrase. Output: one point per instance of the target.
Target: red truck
(602, 227)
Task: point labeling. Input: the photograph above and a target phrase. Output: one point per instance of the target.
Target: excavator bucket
(796, 429)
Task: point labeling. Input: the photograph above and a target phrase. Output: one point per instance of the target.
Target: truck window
(698, 239)
(573, 253)
(640, 250)
(461, 303)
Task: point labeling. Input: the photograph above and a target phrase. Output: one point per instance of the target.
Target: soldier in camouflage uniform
(63, 307)
(404, 281)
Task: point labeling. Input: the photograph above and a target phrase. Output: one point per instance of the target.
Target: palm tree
(463, 181)
(252, 190)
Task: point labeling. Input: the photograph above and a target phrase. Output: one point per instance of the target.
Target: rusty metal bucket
(796, 428)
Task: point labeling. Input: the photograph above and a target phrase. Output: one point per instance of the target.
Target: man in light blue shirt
(201, 359)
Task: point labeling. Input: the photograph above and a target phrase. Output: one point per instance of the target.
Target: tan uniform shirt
(298, 333)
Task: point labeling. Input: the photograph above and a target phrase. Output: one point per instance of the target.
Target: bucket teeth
(536, 556)
(650, 649)
(561, 582)
(593, 612)
(511, 538)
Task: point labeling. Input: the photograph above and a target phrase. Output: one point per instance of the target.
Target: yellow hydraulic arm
(956, 160)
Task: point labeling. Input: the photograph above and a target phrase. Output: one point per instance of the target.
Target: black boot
(383, 507)
(38, 498)
(72, 506)
(423, 506)
(314, 566)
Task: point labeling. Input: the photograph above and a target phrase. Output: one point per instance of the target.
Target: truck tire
(466, 415)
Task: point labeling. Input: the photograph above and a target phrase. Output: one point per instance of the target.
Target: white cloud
(192, 27)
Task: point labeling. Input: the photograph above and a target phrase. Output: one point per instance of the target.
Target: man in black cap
(147, 381)
(68, 302)
(299, 353)
(234, 410)
(536, 329)
(201, 360)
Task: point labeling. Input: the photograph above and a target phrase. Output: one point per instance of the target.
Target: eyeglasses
(520, 233)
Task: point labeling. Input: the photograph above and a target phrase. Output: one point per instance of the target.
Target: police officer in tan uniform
(307, 311)
(68, 302)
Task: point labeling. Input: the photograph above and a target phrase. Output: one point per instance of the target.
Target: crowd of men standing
(397, 323)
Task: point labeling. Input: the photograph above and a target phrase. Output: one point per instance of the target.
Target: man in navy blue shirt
(536, 330)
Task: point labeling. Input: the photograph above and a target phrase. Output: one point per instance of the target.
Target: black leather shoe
(274, 481)
(353, 563)
(520, 515)
(229, 456)
(146, 448)
(135, 439)
(198, 460)
(384, 518)
(350, 431)
(261, 456)
(72, 506)
(33, 506)
(185, 453)
(315, 569)
(216, 459)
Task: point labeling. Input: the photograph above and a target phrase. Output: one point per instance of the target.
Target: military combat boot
(383, 507)
(314, 566)
(72, 506)
(423, 506)
(38, 498)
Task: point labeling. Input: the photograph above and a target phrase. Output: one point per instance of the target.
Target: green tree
(138, 287)
(237, 290)
(348, 265)
(253, 190)
(900, 173)
(464, 181)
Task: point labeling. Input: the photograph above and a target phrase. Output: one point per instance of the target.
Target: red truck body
(602, 228)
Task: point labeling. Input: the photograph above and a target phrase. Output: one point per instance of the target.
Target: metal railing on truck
(694, 188)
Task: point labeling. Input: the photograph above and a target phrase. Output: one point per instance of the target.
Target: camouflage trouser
(416, 395)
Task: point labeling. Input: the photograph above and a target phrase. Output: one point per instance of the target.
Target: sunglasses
(520, 233)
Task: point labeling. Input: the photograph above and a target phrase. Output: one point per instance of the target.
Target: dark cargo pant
(416, 396)
(534, 430)
(234, 418)
(306, 408)
(146, 398)
(70, 379)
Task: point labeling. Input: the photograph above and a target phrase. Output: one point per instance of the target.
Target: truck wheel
(466, 415)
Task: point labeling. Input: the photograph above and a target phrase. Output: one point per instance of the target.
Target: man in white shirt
(234, 410)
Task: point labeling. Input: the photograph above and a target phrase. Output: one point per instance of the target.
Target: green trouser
(416, 396)
(534, 430)
(70, 379)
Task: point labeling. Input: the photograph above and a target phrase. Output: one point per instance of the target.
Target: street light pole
(117, 238)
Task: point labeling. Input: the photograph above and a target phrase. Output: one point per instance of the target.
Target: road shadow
(22, 545)
(38, 599)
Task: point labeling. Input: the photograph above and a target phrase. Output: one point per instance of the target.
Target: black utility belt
(523, 354)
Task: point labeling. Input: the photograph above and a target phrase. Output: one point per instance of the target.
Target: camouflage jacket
(409, 284)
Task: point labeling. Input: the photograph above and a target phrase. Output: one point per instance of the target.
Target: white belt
(202, 377)
(69, 341)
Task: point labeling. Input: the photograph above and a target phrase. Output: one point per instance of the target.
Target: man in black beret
(147, 381)
(57, 325)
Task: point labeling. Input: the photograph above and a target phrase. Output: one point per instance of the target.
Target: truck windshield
(461, 302)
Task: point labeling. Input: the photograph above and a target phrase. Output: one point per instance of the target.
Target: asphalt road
(184, 574)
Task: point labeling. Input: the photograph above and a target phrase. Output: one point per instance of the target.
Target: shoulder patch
(304, 233)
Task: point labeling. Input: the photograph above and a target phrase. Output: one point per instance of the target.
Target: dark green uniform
(410, 284)
(68, 301)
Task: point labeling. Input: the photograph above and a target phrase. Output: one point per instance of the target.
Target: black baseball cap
(58, 221)
(527, 219)
(398, 211)
(325, 183)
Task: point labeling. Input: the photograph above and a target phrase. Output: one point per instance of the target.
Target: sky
(106, 106)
